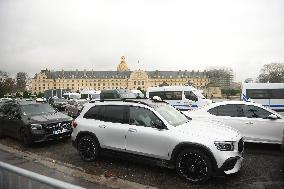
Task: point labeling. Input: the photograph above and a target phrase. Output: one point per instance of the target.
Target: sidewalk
(36, 167)
(63, 171)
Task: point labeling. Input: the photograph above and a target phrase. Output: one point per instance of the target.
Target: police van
(181, 97)
(266, 94)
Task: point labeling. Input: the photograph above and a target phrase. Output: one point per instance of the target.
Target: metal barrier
(12, 177)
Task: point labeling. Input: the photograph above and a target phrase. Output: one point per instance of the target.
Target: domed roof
(122, 65)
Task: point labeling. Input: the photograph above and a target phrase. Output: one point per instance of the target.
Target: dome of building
(122, 65)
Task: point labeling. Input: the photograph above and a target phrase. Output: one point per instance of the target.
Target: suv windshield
(36, 109)
(172, 115)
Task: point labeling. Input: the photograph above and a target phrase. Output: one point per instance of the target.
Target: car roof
(138, 102)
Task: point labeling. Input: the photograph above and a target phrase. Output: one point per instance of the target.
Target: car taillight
(74, 124)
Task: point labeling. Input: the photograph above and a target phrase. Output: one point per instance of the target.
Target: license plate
(59, 131)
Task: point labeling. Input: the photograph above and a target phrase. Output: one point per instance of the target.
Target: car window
(115, 114)
(255, 112)
(232, 110)
(171, 115)
(36, 109)
(95, 112)
(142, 117)
(9, 109)
(5, 108)
(190, 95)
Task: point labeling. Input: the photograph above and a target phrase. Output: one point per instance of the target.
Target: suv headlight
(224, 146)
(36, 126)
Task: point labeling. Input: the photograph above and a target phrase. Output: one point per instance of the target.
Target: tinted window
(141, 116)
(255, 112)
(159, 94)
(110, 96)
(232, 110)
(190, 95)
(9, 108)
(213, 111)
(277, 93)
(115, 114)
(265, 93)
(95, 112)
(167, 95)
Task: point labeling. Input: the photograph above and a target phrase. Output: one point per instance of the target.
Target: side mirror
(158, 124)
(272, 116)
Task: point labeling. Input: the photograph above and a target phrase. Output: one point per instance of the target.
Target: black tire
(194, 166)
(26, 137)
(88, 148)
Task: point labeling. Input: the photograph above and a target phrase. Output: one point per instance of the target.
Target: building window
(134, 82)
(142, 82)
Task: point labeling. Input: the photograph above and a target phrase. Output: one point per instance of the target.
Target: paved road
(263, 167)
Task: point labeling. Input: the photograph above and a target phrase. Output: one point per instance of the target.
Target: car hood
(49, 118)
(209, 129)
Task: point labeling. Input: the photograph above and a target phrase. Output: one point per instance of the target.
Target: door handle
(249, 123)
(132, 130)
(102, 126)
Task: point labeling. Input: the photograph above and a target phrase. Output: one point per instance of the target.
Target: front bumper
(41, 136)
(232, 165)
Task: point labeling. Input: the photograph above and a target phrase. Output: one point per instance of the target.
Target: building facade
(122, 78)
(221, 76)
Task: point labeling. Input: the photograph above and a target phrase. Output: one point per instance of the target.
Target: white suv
(157, 131)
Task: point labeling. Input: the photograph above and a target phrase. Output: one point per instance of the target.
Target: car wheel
(88, 148)
(25, 137)
(194, 165)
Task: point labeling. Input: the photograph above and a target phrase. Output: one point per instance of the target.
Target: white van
(138, 93)
(70, 95)
(266, 94)
(181, 97)
(90, 95)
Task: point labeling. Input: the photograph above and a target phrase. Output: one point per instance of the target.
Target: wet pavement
(263, 167)
(39, 168)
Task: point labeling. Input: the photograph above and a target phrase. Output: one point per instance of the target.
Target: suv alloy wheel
(88, 148)
(194, 166)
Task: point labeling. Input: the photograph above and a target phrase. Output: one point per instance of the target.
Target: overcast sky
(161, 34)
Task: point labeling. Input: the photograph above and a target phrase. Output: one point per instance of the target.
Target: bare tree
(273, 73)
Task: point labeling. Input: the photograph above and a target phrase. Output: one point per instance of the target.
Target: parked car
(5, 99)
(255, 122)
(157, 131)
(59, 103)
(74, 107)
(33, 122)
